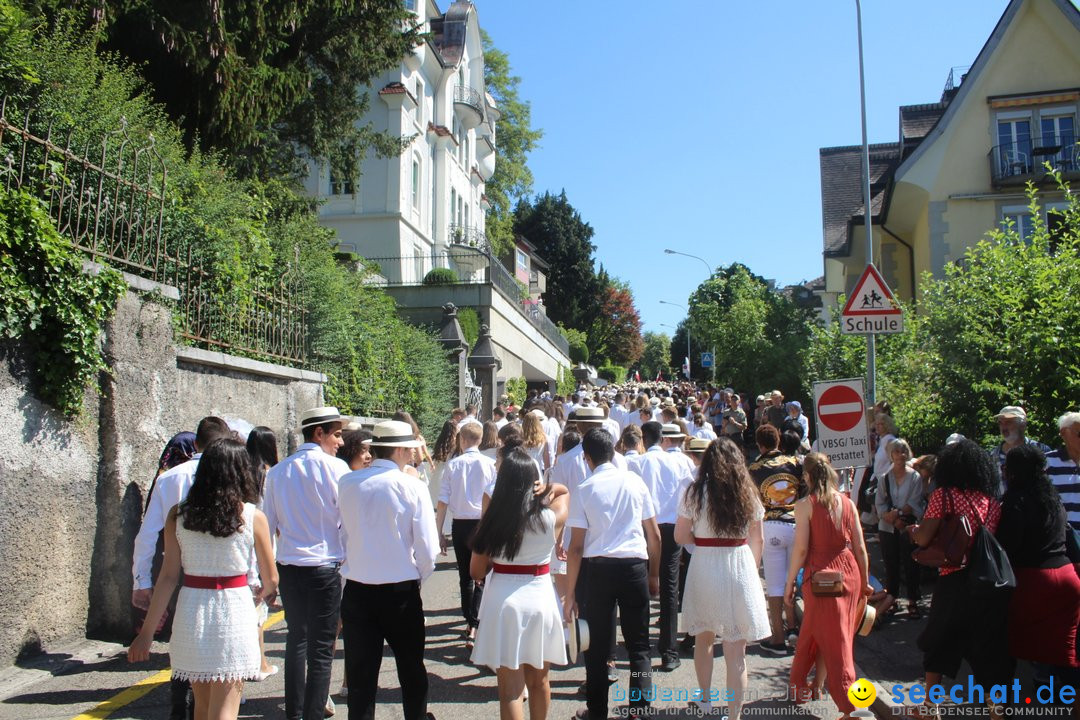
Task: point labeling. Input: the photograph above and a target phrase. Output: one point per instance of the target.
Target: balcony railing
(405, 271)
(1027, 159)
(468, 96)
(469, 236)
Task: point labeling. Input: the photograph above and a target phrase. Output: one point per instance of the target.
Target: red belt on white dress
(719, 542)
(207, 582)
(520, 569)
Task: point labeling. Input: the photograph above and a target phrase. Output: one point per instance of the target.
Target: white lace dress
(214, 632)
(723, 592)
(520, 618)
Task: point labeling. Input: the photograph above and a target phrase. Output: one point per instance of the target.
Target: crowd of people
(567, 516)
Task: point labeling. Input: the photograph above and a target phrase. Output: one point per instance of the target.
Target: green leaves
(52, 305)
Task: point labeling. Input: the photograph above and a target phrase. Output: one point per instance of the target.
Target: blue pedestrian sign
(706, 360)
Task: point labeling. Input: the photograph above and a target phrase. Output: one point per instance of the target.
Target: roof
(916, 121)
(448, 32)
(841, 188)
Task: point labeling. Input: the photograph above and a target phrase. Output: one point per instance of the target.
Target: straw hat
(393, 433)
(865, 615)
(319, 415)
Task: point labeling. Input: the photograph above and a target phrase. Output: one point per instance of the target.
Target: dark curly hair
(224, 478)
(731, 495)
(966, 466)
(1026, 475)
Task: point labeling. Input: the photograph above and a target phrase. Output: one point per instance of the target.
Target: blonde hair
(820, 479)
(890, 424)
(901, 445)
(532, 431)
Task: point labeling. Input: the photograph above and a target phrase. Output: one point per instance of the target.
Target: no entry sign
(841, 425)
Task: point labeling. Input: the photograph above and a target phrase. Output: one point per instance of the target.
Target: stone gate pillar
(486, 364)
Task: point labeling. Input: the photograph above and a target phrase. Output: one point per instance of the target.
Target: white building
(425, 208)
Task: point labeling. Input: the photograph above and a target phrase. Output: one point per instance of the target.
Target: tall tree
(615, 332)
(267, 82)
(515, 138)
(656, 355)
(757, 333)
(564, 240)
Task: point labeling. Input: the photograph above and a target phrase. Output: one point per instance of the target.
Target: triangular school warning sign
(871, 308)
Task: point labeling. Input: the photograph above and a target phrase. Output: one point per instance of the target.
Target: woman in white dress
(535, 441)
(211, 535)
(720, 515)
(521, 630)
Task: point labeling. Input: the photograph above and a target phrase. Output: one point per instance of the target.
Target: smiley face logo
(862, 693)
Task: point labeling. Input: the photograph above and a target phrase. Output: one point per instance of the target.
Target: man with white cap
(1012, 422)
(391, 542)
(667, 476)
(301, 507)
(461, 489)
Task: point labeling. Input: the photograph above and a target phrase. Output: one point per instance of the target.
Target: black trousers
(670, 559)
(312, 600)
(461, 532)
(621, 582)
(896, 551)
(371, 614)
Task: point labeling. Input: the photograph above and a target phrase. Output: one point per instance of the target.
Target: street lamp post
(871, 370)
(687, 325)
(708, 268)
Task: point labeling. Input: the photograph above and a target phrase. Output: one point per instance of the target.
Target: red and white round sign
(840, 408)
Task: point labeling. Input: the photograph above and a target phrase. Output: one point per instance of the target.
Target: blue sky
(696, 125)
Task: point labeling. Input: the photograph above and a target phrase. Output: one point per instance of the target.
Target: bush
(441, 276)
(579, 352)
(470, 325)
(612, 373)
(517, 390)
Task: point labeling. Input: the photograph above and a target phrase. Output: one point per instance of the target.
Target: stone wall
(73, 491)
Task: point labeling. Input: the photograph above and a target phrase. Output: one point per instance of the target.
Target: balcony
(469, 245)
(469, 106)
(401, 271)
(1026, 159)
(485, 157)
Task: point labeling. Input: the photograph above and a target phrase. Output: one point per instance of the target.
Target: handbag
(950, 545)
(989, 569)
(827, 583)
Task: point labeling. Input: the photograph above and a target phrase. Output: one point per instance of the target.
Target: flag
(686, 367)
(637, 376)
(659, 375)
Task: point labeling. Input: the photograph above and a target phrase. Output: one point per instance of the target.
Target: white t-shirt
(610, 506)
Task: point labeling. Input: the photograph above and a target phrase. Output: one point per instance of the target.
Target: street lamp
(686, 325)
(709, 268)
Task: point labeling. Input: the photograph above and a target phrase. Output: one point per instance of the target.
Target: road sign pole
(871, 370)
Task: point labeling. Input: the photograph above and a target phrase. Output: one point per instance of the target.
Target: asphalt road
(79, 678)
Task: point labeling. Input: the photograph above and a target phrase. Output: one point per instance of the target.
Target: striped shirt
(1065, 474)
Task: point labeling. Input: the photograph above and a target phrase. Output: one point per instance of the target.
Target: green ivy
(470, 324)
(516, 389)
(49, 302)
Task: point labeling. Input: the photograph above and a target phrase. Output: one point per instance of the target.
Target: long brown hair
(820, 479)
(732, 496)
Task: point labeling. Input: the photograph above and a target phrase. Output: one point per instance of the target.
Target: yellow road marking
(147, 685)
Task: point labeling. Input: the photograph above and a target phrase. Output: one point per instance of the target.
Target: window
(1020, 219)
(1014, 146)
(456, 133)
(1058, 140)
(410, 5)
(466, 216)
(416, 184)
(522, 261)
(453, 204)
(459, 210)
(340, 185)
(467, 156)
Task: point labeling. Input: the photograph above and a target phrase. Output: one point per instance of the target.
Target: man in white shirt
(169, 489)
(667, 477)
(301, 507)
(619, 413)
(461, 490)
(470, 417)
(498, 415)
(613, 528)
(569, 468)
(391, 542)
(610, 424)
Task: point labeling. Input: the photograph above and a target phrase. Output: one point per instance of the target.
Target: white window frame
(417, 170)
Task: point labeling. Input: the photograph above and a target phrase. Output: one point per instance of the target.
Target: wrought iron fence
(107, 196)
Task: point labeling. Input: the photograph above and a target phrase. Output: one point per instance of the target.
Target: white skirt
(724, 596)
(215, 636)
(520, 623)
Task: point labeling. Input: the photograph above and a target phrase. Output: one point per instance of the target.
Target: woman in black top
(1045, 608)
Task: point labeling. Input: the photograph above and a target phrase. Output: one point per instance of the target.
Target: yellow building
(960, 165)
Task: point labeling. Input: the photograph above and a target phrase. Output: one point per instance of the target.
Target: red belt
(719, 542)
(206, 582)
(520, 569)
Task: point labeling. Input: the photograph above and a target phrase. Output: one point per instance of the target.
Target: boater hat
(699, 445)
(671, 430)
(319, 415)
(577, 638)
(865, 615)
(393, 433)
(587, 415)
